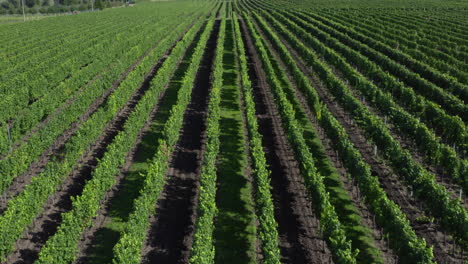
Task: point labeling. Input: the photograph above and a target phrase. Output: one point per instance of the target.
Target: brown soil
(351, 188)
(443, 244)
(35, 168)
(171, 233)
(46, 224)
(299, 238)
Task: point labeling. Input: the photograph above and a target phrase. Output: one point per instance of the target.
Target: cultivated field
(245, 131)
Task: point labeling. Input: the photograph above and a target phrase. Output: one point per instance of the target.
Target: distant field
(7, 19)
(236, 132)
(13, 19)
(416, 4)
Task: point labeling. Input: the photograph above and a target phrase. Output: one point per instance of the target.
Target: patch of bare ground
(171, 233)
(298, 227)
(367, 218)
(47, 223)
(445, 250)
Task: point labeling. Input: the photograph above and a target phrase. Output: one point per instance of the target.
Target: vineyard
(244, 131)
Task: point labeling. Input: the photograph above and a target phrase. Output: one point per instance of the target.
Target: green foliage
(436, 153)
(86, 206)
(74, 83)
(28, 204)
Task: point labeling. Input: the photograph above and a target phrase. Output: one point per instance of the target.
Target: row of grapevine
(267, 229)
(41, 74)
(407, 22)
(440, 23)
(30, 83)
(24, 207)
(434, 31)
(202, 250)
(401, 41)
(128, 248)
(437, 199)
(332, 228)
(57, 66)
(340, 198)
(431, 40)
(347, 210)
(436, 116)
(42, 37)
(448, 102)
(30, 117)
(18, 161)
(440, 120)
(356, 227)
(398, 58)
(435, 152)
(62, 247)
(439, 34)
(388, 214)
(438, 51)
(42, 32)
(26, 51)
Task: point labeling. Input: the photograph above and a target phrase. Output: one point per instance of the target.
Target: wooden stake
(9, 137)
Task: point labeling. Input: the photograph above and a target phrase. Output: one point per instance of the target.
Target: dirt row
(389, 180)
(298, 226)
(46, 224)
